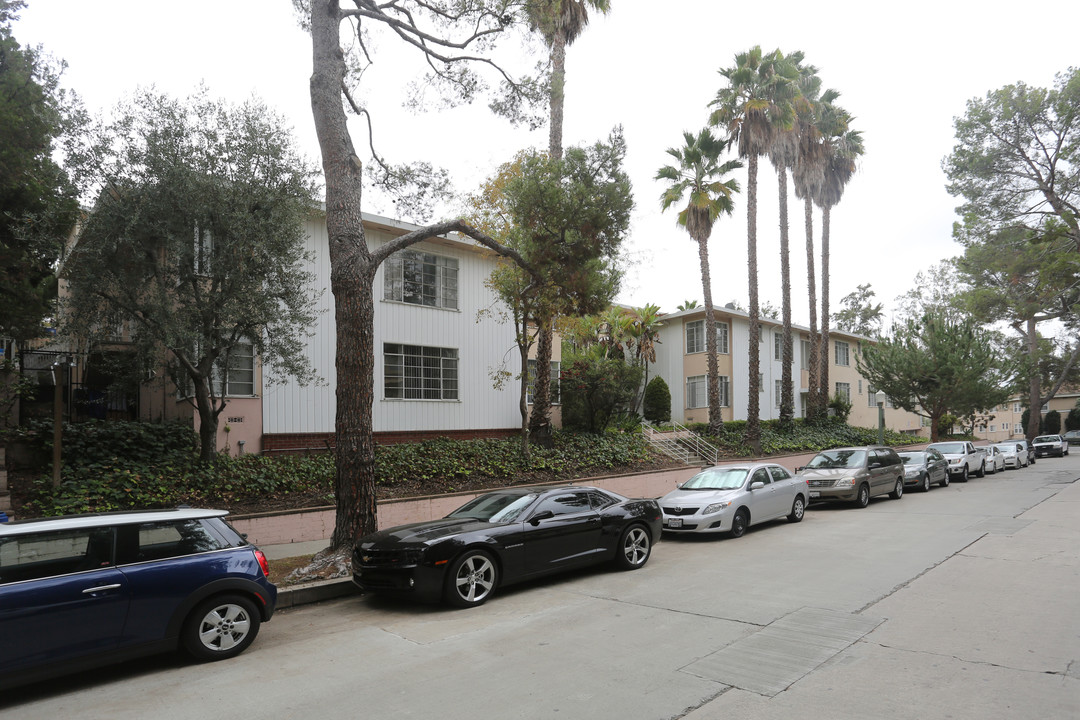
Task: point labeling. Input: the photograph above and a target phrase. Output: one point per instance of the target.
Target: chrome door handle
(100, 588)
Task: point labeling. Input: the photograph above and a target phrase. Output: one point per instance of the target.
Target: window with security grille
(555, 386)
(695, 337)
(420, 278)
(413, 372)
(844, 390)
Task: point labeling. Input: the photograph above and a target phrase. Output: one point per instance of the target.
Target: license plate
(674, 523)
(815, 494)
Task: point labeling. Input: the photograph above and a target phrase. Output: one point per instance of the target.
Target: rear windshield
(912, 458)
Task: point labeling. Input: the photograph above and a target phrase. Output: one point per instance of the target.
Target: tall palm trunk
(787, 404)
(813, 400)
(823, 351)
(753, 404)
(716, 422)
(558, 83)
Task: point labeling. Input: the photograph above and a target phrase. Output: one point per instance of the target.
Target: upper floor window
(412, 372)
(842, 353)
(804, 354)
(420, 278)
(722, 338)
(695, 336)
(778, 346)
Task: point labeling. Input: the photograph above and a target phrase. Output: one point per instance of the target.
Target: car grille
(680, 511)
(374, 557)
(821, 483)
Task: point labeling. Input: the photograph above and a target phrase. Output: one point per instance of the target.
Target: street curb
(307, 593)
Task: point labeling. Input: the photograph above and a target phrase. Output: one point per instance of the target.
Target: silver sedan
(731, 498)
(1013, 453)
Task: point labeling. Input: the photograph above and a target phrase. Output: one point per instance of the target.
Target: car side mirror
(875, 465)
(800, 468)
(756, 484)
(542, 515)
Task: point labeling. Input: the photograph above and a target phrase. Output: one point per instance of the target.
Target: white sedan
(994, 459)
(731, 498)
(1013, 453)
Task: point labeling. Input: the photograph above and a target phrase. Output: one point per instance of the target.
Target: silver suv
(854, 474)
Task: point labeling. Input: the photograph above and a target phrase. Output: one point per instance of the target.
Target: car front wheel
(925, 483)
(863, 498)
(221, 628)
(739, 523)
(964, 475)
(634, 548)
(471, 579)
(798, 509)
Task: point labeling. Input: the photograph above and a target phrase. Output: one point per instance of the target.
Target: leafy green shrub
(1072, 420)
(656, 406)
(594, 390)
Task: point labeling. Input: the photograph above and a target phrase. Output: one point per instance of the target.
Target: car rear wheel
(863, 498)
(634, 548)
(945, 480)
(471, 579)
(220, 628)
(898, 491)
(739, 523)
(981, 472)
(798, 509)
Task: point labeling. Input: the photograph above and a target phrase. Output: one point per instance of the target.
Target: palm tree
(842, 147)
(784, 154)
(699, 175)
(757, 102)
(645, 324)
(560, 22)
(808, 175)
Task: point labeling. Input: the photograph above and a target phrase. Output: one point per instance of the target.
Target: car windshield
(956, 448)
(831, 459)
(1047, 438)
(912, 458)
(730, 478)
(498, 507)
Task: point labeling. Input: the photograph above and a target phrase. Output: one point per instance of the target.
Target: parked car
(1046, 445)
(82, 590)
(964, 459)
(1072, 437)
(993, 460)
(854, 474)
(923, 468)
(1030, 451)
(1014, 454)
(504, 537)
(731, 498)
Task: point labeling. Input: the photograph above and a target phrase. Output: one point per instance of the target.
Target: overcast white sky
(904, 70)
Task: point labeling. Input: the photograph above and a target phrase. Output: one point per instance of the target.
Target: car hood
(692, 497)
(422, 533)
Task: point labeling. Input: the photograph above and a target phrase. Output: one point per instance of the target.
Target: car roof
(127, 517)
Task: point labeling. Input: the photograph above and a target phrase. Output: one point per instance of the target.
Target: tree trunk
(716, 420)
(351, 278)
(787, 402)
(523, 395)
(1034, 383)
(823, 350)
(208, 419)
(813, 399)
(540, 421)
(558, 86)
(753, 400)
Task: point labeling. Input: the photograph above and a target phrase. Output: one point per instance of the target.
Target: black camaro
(504, 537)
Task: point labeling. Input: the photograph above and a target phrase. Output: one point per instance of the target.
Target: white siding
(481, 346)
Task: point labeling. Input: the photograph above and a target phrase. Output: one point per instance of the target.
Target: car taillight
(262, 562)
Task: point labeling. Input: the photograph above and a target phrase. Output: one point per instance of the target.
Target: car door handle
(100, 588)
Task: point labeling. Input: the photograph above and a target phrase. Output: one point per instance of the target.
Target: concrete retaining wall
(318, 523)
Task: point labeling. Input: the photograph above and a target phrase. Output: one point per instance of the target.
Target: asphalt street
(963, 602)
